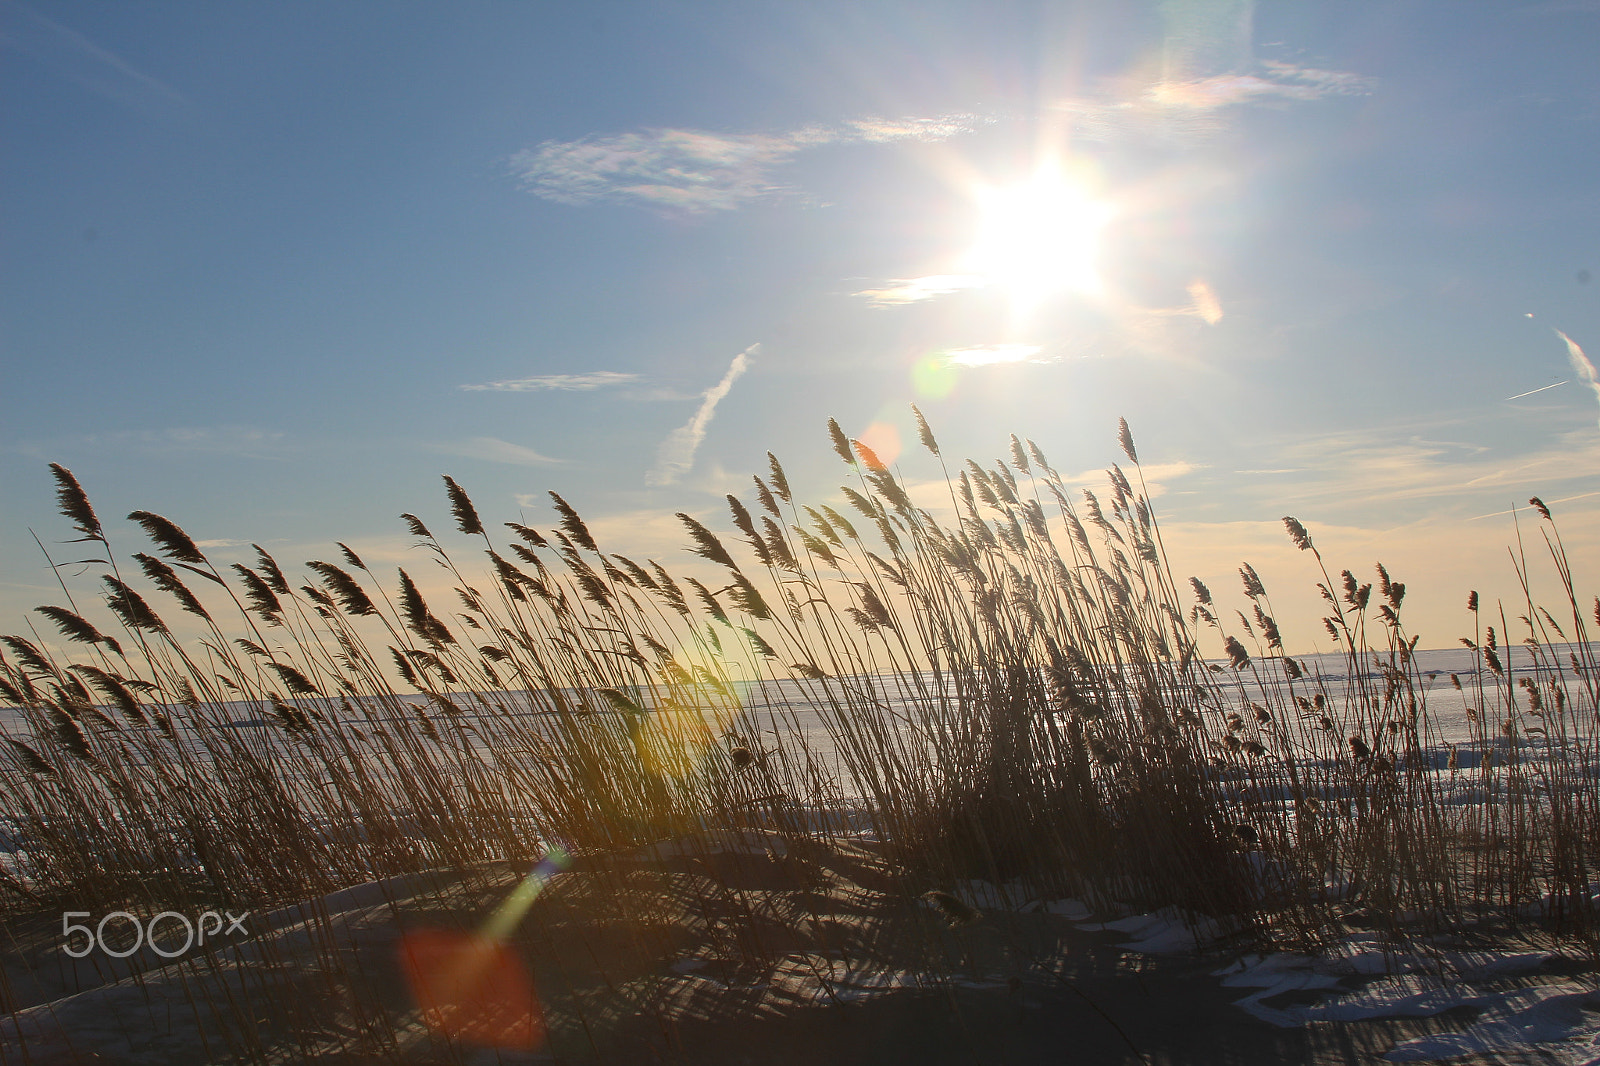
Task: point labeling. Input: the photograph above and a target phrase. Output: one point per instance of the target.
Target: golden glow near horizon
(1040, 237)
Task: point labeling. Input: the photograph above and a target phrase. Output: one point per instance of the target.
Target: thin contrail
(676, 454)
(1564, 499)
(1530, 392)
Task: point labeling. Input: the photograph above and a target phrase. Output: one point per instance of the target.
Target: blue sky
(271, 269)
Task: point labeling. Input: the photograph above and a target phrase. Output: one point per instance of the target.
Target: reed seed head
(1297, 533)
(1236, 653)
(841, 443)
(1125, 438)
(74, 504)
(172, 540)
(461, 506)
(924, 433)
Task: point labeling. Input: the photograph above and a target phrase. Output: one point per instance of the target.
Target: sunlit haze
(270, 269)
(1039, 237)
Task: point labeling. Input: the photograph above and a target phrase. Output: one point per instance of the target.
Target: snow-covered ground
(1522, 998)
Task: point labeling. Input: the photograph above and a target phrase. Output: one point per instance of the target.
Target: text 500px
(206, 924)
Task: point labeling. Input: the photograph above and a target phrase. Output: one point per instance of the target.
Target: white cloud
(994, 353)
(695, 171)
(570, 382)
(1193, 108)
(494, 450)
(1156, 475)
(888, 130)
(676, 455)
(1325, 82)
(1396, 468)
(1206, 305)
(1283, 82)
(1203, 304)
(914, 290)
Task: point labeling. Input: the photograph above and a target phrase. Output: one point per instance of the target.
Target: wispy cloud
(889, 130)
(1189, 108)
(494, 450)
(201, 438)
(1394, 469)
(1581, 364)
(1280, 81)
(933, 494)
(1205, 302)
(675, 457)
(598, 379)
(993, 354)
(78, 59)
(696, 171)
(243, 441)
(1156, 475)
(1320, 82)
(900, 291)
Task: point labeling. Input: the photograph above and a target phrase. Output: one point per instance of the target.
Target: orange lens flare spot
(471, 988)
(884, 440)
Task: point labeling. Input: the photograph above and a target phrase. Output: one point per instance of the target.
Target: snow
(1362, 979)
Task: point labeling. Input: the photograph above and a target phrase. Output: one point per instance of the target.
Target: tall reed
(1018, 686)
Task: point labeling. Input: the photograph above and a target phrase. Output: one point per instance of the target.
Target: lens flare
(470, 985)
(933, 377)
(471, 989)
(884, 440)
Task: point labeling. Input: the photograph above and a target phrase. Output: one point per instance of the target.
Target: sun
(1039, 238)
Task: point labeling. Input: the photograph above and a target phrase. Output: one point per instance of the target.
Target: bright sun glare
(1039, 237)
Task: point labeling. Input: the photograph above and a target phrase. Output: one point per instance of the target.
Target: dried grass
(1018, 691)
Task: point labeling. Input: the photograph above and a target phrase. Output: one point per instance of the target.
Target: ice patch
(1072, 909)
(1163, 932)
(1557, 1014)
(1549, 1014)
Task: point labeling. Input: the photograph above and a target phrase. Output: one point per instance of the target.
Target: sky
(270, 269)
